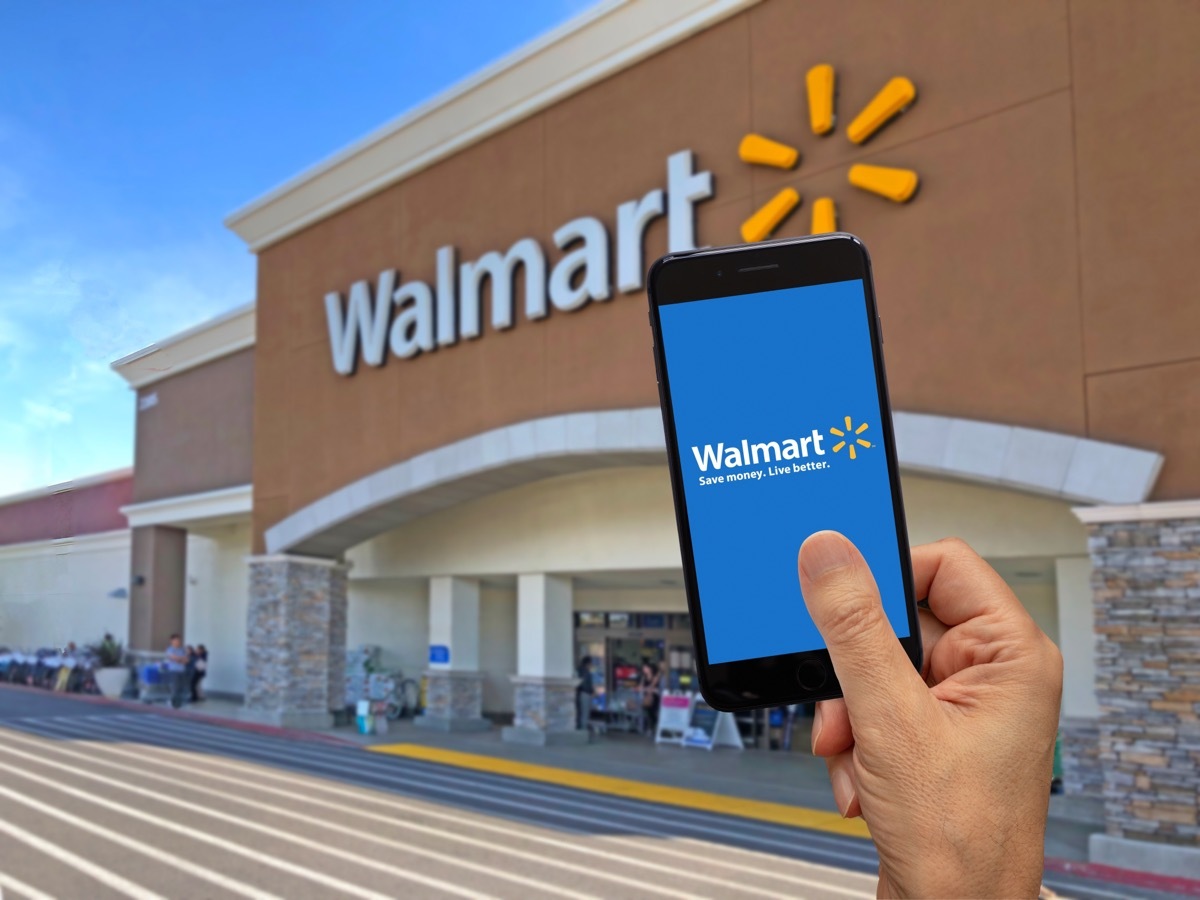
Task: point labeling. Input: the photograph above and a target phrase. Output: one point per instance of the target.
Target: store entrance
(619, 644)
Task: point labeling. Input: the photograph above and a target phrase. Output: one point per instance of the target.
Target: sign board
(708, 728)
(673, 715)
(439, 654)
(409, 318)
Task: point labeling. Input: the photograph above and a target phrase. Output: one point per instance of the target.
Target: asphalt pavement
(99, 802)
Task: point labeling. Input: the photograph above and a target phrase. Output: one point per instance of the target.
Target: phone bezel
(749, 269)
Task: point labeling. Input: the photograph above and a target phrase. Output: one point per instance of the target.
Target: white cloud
(64, 318)
(45, 415)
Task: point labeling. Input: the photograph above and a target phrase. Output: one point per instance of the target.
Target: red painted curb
(220, 721)
(1186, 887)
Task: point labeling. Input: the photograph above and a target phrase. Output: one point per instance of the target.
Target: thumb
(876, 675)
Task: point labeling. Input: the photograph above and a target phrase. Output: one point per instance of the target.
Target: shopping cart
(154, 685)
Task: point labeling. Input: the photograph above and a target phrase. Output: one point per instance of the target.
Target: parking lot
(107, 801)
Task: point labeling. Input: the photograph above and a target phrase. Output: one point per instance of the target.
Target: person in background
(651, 693)
(175, 664)
(199, 670)
(583, 693)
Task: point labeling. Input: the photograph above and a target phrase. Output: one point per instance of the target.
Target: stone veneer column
(544, 702)
(296, 640)
(1147, 596)
(454, 688)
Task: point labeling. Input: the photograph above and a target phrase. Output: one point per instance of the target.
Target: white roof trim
(1042, 462)
(192, 509)
(591, 47)
(220, 336)
(99, 542)
(1139, 512)
(1055, 465)
(64, 486)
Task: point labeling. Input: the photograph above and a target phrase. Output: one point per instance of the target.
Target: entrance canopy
(1041, 462)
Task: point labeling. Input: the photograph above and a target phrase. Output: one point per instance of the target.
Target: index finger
(959, 584)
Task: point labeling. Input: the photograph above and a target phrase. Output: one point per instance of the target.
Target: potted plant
(111, 674)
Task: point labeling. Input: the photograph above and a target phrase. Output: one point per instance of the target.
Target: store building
(437, 428)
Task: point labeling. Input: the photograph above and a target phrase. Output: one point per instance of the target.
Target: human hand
(949, 767)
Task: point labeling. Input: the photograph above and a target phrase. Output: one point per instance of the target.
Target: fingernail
(816, 729)
(843, 790)
(822, 552)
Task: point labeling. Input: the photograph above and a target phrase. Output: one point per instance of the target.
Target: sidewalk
(796, 778)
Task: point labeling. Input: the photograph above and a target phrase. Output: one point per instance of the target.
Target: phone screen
(777, 419)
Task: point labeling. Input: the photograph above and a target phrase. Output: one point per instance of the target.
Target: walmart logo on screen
(726, 463)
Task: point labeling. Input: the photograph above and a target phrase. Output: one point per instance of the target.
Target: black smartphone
(777, 421)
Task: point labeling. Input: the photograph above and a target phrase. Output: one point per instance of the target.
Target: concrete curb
(1185, 887)
(220, 721)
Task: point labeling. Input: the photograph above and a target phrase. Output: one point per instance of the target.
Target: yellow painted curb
(778, 813)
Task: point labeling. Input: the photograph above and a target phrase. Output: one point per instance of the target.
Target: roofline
(74, 484)
(212, 339)
(595, 45)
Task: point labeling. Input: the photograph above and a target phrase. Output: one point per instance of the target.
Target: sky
(129, 130)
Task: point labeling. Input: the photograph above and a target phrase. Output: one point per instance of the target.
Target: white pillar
(544, 700)
(454, 684)
(1083, 775)
(544, 626)
(1077, 636)
(454, 623)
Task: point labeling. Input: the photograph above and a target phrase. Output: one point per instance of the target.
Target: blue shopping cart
(154, 685)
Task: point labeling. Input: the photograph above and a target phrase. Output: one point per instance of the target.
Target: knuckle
(850, 617)
(956, 546)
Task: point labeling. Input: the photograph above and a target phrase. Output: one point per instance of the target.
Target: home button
(811, 675)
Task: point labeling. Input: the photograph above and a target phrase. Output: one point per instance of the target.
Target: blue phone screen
(777, 420)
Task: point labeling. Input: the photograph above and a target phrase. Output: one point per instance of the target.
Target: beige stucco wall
(215, 602)
(52, 592)
(393, 614)
(621, 519)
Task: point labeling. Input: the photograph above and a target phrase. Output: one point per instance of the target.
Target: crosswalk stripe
(87, 867)
(20, 889)
(368, 837)
(784, 837)
(705, 847)
(158, 821)
(444, 835)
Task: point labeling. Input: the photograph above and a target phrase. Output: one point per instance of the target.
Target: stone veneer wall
(1146, 581)
(545, 704)
(453, 695)
(295, 639)
(1083, 774)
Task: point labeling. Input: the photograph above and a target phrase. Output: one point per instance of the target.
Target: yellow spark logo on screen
(897, 185)
(848, 439)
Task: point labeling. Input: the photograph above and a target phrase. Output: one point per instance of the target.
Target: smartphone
(775, 408)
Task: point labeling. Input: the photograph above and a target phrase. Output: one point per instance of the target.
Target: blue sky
(128, 130)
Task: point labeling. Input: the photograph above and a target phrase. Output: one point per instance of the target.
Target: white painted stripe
(389, 770)
(503, 849)
(336, 884)
(66, 857)
(159, 855)
(484, 789)
(21, 889)
(381, 766)
(92, 758)
(705, 848)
